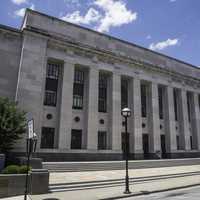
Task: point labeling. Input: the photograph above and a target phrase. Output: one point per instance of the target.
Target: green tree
(12, 124)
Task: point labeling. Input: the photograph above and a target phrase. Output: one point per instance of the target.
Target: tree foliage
(12, 124)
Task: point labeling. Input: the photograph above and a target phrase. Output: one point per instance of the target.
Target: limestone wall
(10, 50)
(74, 33)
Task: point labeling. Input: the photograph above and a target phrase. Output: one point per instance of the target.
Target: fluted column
(170, 122)
(116, 112)
(136, 119)
(66, 107)
(92, 130)
(154, 125)
(184, 122)
(195, 121)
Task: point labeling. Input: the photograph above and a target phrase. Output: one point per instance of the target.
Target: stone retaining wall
(14, 184)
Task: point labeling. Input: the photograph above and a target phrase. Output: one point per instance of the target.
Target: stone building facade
(74, 82)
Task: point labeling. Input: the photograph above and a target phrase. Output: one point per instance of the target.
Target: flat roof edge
(111, 37)
(2, 26)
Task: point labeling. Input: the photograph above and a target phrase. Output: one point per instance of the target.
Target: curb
(149, 192)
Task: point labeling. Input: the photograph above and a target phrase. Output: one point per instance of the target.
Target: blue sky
(171, 27)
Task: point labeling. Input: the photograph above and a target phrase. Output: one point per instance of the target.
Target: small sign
(30, 129)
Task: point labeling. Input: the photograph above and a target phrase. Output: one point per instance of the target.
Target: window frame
(102, 136)
(102, 96)
(78, 89)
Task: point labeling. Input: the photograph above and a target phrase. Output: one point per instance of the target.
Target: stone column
(154, 125)
(184, 122)
(116, 112)
(66, 107)
(136, 119)
(92, 127)
(195, 121)
(170, 122)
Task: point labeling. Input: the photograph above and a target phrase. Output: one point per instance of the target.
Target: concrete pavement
(141, 183)
(192, 193)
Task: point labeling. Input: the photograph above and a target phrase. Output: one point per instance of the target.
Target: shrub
(11, 169)
(23, 169)
(12, 124)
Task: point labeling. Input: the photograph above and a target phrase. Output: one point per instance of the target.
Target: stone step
(114, 182)
(116, 165)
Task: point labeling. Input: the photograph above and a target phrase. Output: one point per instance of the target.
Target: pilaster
(184, 121)
(136, 118)
(116, 112)
(66, 107)
(170, 122)
(195, 121)
(154, 125)
(92, 127)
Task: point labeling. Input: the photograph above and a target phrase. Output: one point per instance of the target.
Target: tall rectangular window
(51, 86)
(47, 138)
(144, 100)
(124, 93)
(102, 141)
(76, 139)
(102, 107)
(175, 95)
(160, 100)
(78, 89)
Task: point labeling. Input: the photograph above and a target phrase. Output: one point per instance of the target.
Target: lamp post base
(127, 192)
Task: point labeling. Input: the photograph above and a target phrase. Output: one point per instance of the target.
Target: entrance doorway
(145, 141)
(163, 146)
(76, 139)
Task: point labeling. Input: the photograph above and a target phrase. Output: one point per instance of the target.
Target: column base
(136, 156)
(184, 154)
(88, 156)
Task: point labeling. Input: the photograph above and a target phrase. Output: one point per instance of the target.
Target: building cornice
(109, 57)
(107, 36)
(10, 30)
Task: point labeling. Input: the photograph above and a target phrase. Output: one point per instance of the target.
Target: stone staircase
(114, 182)
(116, 165)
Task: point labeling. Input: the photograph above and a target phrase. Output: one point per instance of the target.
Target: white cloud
(172, 0)
(104, 13)
(91, 16)
(148, 37)
(21, 12)
(19, 2)
(115, 14)
(164, 44)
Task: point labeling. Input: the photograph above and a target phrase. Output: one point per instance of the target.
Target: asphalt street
(182, 194)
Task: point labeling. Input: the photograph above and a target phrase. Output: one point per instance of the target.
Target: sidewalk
(188, 176)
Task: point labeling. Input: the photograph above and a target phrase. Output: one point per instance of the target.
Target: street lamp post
(126, 112)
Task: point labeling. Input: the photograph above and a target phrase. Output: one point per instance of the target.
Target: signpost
(31, 143)
(30, 128)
